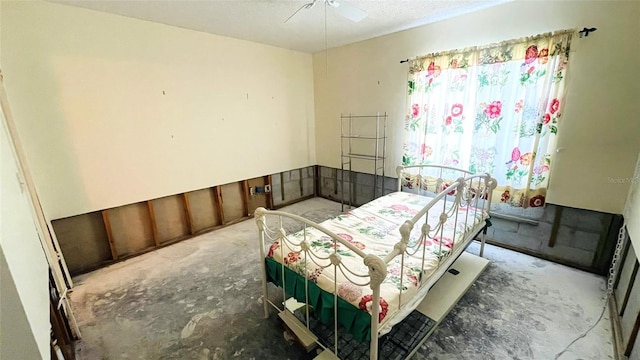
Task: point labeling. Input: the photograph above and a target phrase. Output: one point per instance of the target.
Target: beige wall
(600, 130)
(632, 210)
(24, 299)
(113, 110)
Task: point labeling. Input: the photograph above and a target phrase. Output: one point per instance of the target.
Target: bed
(389, 252)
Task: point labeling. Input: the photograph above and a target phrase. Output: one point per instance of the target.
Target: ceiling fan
(343, 9)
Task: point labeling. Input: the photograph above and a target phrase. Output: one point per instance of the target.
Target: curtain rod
(584, 32)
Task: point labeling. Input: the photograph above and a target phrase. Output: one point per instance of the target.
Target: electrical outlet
(251, 191)
(267, 188)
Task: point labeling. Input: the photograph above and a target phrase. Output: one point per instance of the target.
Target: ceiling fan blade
(305, 6)
(347, 11)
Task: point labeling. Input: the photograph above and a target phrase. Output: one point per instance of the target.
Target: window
(494, 109)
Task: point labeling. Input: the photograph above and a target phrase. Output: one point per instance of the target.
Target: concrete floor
(200, 299)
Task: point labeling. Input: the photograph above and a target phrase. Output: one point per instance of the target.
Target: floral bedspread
(373, 228)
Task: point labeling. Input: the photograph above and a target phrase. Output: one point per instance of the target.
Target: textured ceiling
(262, 21)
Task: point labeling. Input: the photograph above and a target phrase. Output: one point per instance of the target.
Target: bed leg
(265, 303)
(377, 273)
(260, 219)
(373, 345)
(484, 233)
(266, 307)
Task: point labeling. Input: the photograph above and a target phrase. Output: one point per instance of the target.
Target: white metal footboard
(468, 192)
(376, 266)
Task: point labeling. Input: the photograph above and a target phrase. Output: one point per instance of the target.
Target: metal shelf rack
(350, 139)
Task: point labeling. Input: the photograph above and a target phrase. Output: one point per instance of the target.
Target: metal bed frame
(467, 190)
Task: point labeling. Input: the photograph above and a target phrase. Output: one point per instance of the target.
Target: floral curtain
(493, 109)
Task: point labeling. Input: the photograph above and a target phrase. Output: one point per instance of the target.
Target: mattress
(373, 228)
